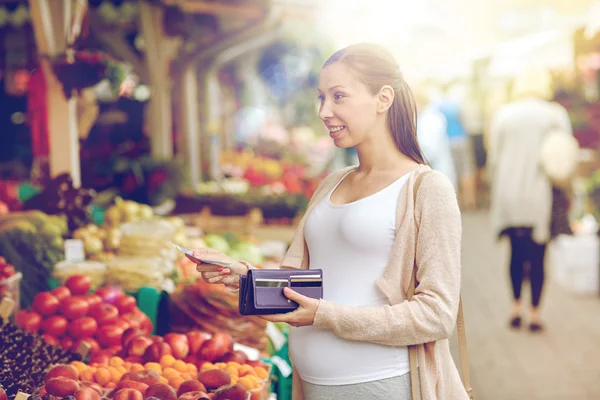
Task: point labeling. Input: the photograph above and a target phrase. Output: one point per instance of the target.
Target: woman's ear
(385, 98)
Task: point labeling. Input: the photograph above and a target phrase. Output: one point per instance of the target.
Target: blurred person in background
(521, 192)
(460, 145)
(434, 142)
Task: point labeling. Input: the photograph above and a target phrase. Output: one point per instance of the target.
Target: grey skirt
(397, 388)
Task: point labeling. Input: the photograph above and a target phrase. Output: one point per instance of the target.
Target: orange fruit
(261, 372)
(180, 366)
(167, 360)
(221, 365)
(115, 374)
(102, 377)
(186, 376)
(152, 366)
(234, 379)
(79, 366)
(232, 371)
(170, 373)
(164, 380)
(87, 375)
(136, 367)
(116, 361)
(127, 365)
(175, 382)
(233, 364)
(192, 369)
(207, 365)
(110, 385)
(246, 382)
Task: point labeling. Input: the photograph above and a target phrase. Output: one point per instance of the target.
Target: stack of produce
(33, 243)
(24, 359)
(146, 256)
(162, 370)
(212, 308)
(70, 315)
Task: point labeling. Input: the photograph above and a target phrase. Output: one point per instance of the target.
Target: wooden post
(159, 51)
(51, 25)
(190, 124)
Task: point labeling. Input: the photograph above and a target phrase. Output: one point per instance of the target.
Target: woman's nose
(325, 111)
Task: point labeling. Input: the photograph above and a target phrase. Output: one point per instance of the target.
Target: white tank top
(351, 243)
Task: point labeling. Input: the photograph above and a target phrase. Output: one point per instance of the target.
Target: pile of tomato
(71, 314)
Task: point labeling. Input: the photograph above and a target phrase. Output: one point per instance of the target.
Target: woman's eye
(338, 96)
(321, 98)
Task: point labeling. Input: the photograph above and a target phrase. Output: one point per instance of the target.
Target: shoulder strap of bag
(460, 327)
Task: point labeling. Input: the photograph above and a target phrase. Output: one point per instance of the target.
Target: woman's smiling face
(347, 107)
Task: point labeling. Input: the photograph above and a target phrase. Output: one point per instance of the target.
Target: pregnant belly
(322, 358)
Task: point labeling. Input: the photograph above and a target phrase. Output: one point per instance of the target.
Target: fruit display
(70, 315)
(25, 358)
(98, 243)
(180, 363)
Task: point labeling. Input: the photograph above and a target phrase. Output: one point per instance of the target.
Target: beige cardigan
(429, 318)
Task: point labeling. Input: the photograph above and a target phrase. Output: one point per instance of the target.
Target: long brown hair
(376, 67)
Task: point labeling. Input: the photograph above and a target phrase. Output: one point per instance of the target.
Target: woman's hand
(302, 316)
(216, 274)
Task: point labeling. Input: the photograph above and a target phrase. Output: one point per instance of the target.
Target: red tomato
(109, 335)
(45, 303)
(55, 325)
(79, 284)
(50, 339)
(122, 323)
(146, 325)
(110, 293)
(104, 313)
(93, 299)
(67, 343)
(74, 307)
(28, 320)
(61, 293)
(125, 304)
(91, 342)
(83, 327)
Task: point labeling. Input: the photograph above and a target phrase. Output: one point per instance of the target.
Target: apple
(87, 393)
(216, 347)
(191, 385)
(128, 394)
(138, 345)
(129, 384)
(156, 351)
(194, 396)
(234, 356)
(180, 347)
(63, 371)
(148, 377)
(129, 334)
(61, 387)
(161, 391)
(3, 395)
(195, 340)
